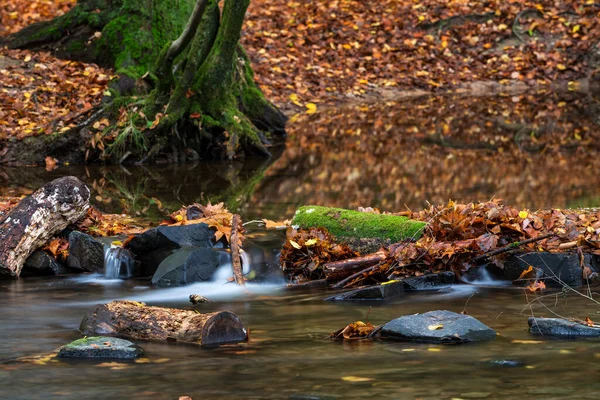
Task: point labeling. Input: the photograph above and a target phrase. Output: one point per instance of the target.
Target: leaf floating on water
(518, 341)
(276, 224)
(535, 286)
(352, 378)
(435, 327)
(589, 322)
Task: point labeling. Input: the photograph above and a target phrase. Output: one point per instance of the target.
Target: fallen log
(134, 320)
(336, 270)
(37, 218)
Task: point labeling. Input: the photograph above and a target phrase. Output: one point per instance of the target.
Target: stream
(288, 355)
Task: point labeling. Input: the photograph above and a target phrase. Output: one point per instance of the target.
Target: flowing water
(288, 355)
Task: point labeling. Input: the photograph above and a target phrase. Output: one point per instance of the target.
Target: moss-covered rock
(350, 224)
(100, 347)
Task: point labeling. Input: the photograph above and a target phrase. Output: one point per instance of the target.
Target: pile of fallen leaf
(216, 216)
(309, 54)
(456, 234)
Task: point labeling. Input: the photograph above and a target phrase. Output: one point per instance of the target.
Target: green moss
(354, 224)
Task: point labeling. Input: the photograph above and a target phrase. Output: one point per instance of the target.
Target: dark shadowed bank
(184, 89)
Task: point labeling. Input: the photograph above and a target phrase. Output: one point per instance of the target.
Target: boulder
(376, 292)
(557, 269)
(153, 246)
(41, 263)
(430, 281)
(86, 254)
(186, 266)
(559, 327)
(437, 327)
(100, 347)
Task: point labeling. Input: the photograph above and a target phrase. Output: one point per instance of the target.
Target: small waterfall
(118, 263)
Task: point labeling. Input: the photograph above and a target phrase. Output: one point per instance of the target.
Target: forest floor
(306, 56)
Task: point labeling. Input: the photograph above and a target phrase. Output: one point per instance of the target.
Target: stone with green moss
(363, 231)
(100, 347)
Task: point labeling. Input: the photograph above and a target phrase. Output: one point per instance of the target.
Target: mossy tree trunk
(185, 86)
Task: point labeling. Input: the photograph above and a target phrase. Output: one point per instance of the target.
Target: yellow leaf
(435, 327)
(117, 243)
(527, 341)
(388, 282)
(576, 28)
(561, 67)
(311, 108)
(295, 100)
(351, 378)
(295, 245)
(523, 214)
(179, 218)
(310, 242)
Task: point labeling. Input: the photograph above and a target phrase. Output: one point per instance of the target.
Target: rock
(438, 326)
(100, 347)
(430, 281)
(363, 231)
(41, 263)
(560, 327)
(153, 246)
(85, 253)
(377, 292)
(565, 267)
(186, 266)
(506, 363)
(37, 218)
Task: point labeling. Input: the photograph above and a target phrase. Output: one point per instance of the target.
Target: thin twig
(236, 263)
(510, 247)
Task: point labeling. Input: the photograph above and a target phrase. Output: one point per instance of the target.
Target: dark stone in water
(100, 347)
(154, 245)
(506, 363)
(559, 327)
(41, 263)
(187, 266)
(430, 281)
(85, 253)
(439, 327)
(554, 267)
(377, 292)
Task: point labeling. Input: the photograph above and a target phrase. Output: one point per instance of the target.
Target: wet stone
(430, 281)
(506, 363)
(153, 246)
(558, 269)
(438, 327)
(85, 253)
(377, 292)
(41, 263)
(559, 327)
(100, 347)
(187, 266)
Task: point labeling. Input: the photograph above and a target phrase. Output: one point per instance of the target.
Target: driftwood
(134, 320)
(340, 269)
(236, 263)
(37, 218)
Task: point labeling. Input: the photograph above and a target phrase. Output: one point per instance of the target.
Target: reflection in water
(532, 151)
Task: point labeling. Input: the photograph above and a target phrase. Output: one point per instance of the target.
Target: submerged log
(134, 320)
(37, 218)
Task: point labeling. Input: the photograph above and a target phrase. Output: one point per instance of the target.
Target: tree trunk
(37, 218)
(133, 320)
(185, 86)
